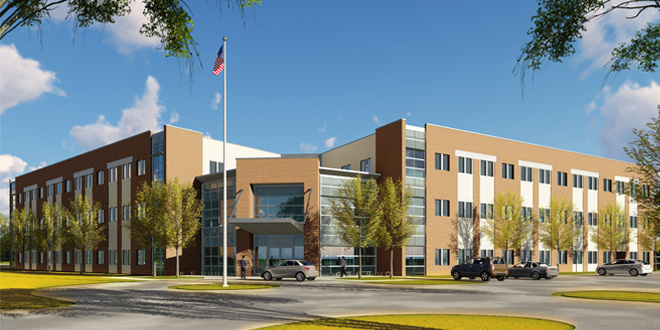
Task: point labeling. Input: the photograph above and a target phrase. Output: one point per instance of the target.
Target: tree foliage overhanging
(558, 24)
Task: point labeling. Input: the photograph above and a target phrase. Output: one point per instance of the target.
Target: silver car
(624, 266)
(298, 269)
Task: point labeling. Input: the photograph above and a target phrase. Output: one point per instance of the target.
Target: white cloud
(308, 147)
(216, 100)
(28, 81)
(408, 114)
(10, 167)
(174, 117)
(631, 106)
(143, 116)
(125, 32)
(324, 128)
(375, 118)
(603, 34)
(329, 143)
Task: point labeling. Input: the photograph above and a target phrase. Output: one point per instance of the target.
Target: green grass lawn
(16, 288)
(613, 295)
(220, 287)
(427, 321)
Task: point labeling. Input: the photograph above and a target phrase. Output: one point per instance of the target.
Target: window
(465, 209)
(58, 257)
(544, 256)
(126, 212)
(486, 211)
(113, 257)
(100, 175)
(607, 186)
(141, 257)
(213, 167)
(526, 174)
(508, 256)
(544, 176)
(100, 257)
(592, 183)
(633, 255)
(620, 187)
(646, 257)
(592, 219)
(346, 167)
(645, 190)
(113, 174)
(562, 178)
(67, 257)
(544, 214)
(415, 163)
(126, 171)
(442, 207)
(577, 218)
(19, 198)
(89, 180)
(365, 165)
(464, 254)
(577, 181)
(100, 216)
(441, 257)
(58, 188)
(487, 168)
(507, 171)
(465, 165)
(158, 168)
(113, 214)
(607, 256)
(633, 222)
(125, 257)
(50, 190)
(79, 183)
(141, 167)
(486, 253)
(562, 257)
(41, 192)
(577, 257)
(67, 187)
(41, 257)
(442, 162)
(592, 257)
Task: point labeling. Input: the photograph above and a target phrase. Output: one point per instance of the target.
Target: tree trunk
(360, 260)
(82, 262)
(153, 258)
(177, 261)
(391, 261)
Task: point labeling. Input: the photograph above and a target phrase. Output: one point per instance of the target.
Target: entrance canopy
(269, 226)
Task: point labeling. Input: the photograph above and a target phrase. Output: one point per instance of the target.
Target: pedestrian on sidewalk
(343, 267)
(243, 264)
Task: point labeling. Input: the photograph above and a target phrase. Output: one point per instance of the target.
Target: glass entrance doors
(271, 249)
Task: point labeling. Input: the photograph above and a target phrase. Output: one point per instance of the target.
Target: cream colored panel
(212, 151)
(352, 153)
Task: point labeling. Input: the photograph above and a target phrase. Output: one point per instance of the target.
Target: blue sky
(304, 76)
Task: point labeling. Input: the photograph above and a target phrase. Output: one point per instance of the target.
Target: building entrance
(270, 249)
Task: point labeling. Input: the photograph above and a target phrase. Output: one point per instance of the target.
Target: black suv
(485, 268)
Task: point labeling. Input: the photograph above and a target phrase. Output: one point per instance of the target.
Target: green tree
(356, 213)
(18, 230)
(5, 238)
(84, 232)
(50, 233)
(557, 231)
(396, 226)
(645, 189)
(507, 229)
(168, 20)
(558, 24)
(611, 234)
(148, 219)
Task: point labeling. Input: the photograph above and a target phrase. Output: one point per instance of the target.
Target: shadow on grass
(24, 299)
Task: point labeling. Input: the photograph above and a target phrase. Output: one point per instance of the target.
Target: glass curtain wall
(332, 248)
(415, 178)
(212, 228)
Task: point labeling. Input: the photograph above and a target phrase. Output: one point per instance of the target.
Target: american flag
(219, 63)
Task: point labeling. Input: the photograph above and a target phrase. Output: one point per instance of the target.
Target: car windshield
(498, 261)
(306, 263)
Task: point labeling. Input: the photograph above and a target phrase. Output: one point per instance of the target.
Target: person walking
(243, 264)
(343, 267)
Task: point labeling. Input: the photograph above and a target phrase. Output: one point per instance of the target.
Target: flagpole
(224, 168)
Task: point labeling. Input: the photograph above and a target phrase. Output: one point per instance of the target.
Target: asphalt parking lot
(151, 305)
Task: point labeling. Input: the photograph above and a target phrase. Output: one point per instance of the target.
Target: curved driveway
(150, 305)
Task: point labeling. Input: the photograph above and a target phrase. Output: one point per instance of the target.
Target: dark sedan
(533, 269)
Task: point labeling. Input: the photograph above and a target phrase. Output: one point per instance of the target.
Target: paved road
(150, 305)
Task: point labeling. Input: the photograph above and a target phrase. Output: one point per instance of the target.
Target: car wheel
(601, 272)
(501, 278)
(268, 276)
(536, 276)
(311, 278)
(300, 277)
(634, 272)
(485, 276)
(456, 275)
